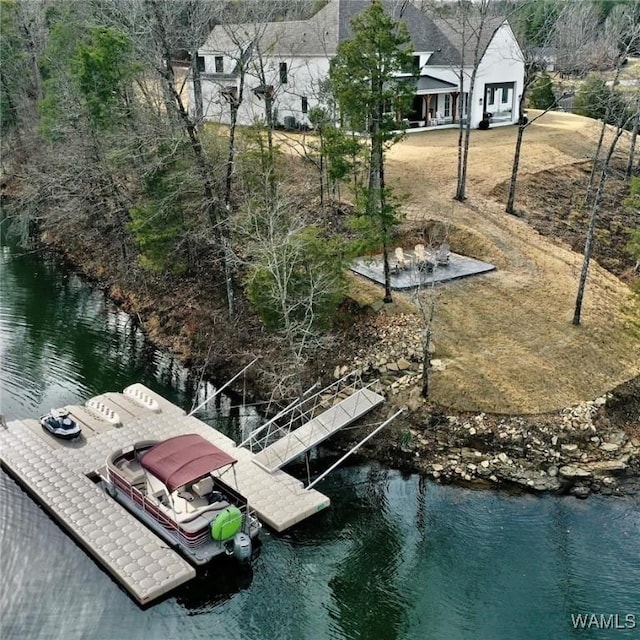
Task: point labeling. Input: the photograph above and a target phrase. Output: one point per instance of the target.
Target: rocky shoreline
(580, 450)
(572, 453)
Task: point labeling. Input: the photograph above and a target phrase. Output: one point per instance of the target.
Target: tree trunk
(516, 160)
(603, 129)
(197, 90)
(321, 170)
(228, 271)
(385, 248)
(376, 202)
(461, 129)
(33, 61)
(461, 191)
(426, 362)
(595, 209)
(632, 148)
(211, 201)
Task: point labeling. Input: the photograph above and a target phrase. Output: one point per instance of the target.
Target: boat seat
(212, 509)
(132, 472)
(203, 487)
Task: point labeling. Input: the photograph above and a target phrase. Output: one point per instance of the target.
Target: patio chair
(423, 263)
(442, 254)
(401, 261)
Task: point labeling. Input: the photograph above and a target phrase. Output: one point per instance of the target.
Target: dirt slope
(506, 338)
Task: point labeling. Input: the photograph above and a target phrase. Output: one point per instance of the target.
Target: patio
(413, 275)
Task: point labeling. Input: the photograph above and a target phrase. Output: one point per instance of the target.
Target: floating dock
(61, 476)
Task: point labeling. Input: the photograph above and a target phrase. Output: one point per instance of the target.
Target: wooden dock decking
(295, 443)
(57, 473)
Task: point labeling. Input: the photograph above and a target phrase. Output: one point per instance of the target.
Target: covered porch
(435, 103)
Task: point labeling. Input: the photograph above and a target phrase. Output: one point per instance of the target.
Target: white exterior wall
(303, 75)
(502, 62)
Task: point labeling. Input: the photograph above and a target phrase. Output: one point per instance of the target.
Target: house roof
(184, 459)
(424, 34)
(323, 32)
(461, 37)
(315, 36)
(429, 83)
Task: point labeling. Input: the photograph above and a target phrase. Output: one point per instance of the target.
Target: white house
(289, 60)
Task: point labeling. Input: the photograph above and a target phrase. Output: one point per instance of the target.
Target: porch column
(428, 105)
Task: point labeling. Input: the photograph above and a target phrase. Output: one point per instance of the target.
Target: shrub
(541, 95)
(484, 124)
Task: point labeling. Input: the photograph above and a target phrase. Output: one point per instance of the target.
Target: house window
(200, 64)
(491, 95)
(447, 105)
(283, 73)
(416, 63)
(305, 105)
(505, 95)
(219, 64)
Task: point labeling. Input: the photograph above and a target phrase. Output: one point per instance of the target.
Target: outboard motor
(242, 547)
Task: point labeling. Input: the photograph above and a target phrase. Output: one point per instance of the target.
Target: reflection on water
(218, 585)
(395, 557)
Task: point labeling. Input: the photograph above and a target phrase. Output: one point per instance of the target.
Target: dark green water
(393, 558)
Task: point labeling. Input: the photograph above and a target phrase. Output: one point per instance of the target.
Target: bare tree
(579, 39)
(426, 294)
(294, 278)
(595, 208)
(470, 25)
(621, 32)
(531, 66)
(162, 14)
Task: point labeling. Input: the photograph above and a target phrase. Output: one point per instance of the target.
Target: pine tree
(364, 77)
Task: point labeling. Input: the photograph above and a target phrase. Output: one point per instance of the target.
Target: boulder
(607, 467)
(573, 472)
(580, 491)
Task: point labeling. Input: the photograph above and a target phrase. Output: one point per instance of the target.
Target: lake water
(395, 557)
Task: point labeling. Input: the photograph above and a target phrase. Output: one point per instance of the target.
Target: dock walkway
(309, 435)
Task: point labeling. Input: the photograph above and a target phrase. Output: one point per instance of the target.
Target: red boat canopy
(183, 459)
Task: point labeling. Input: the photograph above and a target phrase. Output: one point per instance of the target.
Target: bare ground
(506, 338)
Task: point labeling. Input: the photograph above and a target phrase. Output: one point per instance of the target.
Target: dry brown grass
(507, 337)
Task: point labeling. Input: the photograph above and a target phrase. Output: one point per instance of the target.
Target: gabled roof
(323, 32)
(184, 459)
(465, 36)
(424, 34)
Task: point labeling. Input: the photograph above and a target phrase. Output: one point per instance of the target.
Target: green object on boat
(227, 524)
